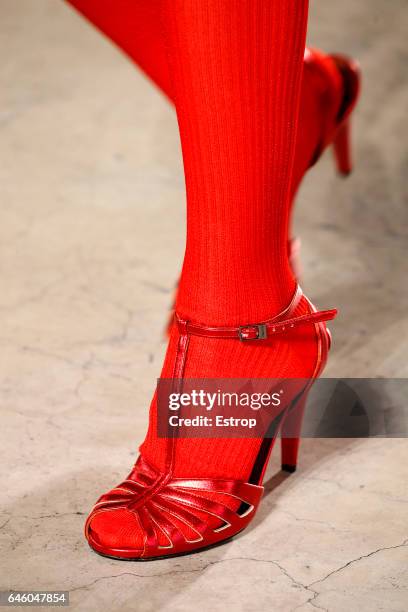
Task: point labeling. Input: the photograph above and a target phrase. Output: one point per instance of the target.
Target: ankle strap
(258, 331)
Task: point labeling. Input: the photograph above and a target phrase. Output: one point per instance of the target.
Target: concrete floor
(90, 164)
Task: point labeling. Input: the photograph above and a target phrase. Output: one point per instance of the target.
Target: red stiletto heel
(290, 435)
(181, 515)
(351, 76)
(342, 149)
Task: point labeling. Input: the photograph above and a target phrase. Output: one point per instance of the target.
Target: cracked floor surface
(85, 285)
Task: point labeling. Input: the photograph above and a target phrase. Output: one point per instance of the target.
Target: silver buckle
(260, 329)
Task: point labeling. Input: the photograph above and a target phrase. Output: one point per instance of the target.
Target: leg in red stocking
(136, 28)
(236, 70)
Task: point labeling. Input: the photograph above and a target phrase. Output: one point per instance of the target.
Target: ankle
(237, 299)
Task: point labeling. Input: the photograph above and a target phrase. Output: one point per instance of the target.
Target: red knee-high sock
(236, 77)
(237, 72)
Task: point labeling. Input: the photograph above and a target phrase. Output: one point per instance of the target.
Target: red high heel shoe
(342, 77)
(180, 515)
(333, 83)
